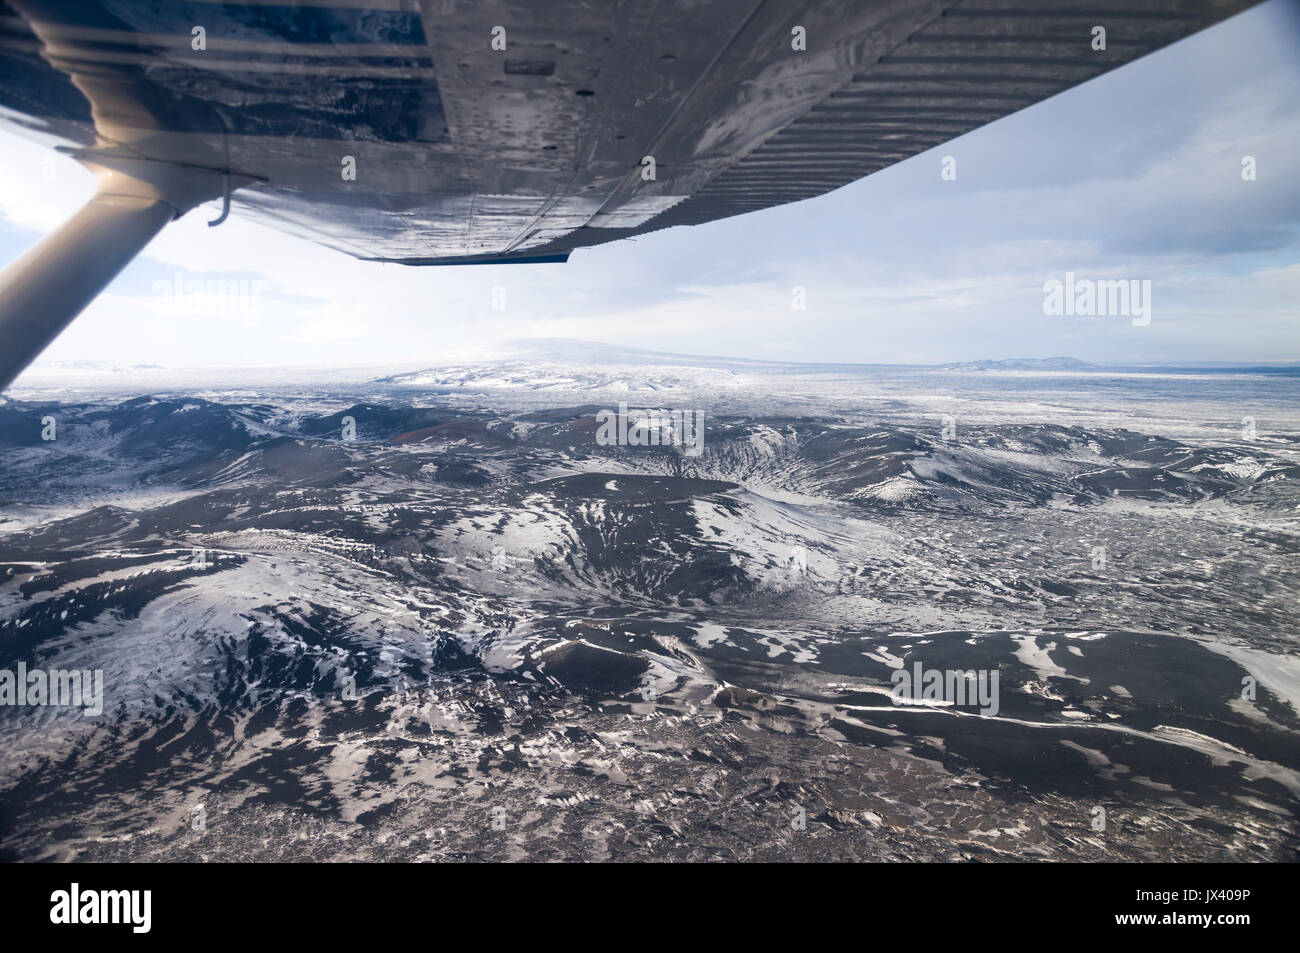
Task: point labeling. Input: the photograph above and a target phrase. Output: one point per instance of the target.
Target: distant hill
(572, 351)
(1023, 364)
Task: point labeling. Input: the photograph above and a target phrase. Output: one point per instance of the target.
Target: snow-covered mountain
(374, 613)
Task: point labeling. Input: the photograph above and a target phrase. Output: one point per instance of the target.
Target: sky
(1136, 175)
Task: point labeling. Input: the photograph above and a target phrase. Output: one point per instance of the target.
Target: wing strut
(46, 288)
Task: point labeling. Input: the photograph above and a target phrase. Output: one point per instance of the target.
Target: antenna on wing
(225, 201)
(225, 174)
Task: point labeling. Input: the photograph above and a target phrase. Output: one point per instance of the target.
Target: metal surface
(465, 152)
(46, 288)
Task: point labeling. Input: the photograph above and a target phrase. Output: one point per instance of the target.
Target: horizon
(483, 354)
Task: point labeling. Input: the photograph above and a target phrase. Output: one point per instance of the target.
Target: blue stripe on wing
(286, 24)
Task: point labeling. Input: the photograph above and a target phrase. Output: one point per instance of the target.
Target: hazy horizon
(500, 352)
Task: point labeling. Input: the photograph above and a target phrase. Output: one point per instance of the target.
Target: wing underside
(465, 151)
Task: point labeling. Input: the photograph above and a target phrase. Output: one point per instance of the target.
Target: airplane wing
(457, 132)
